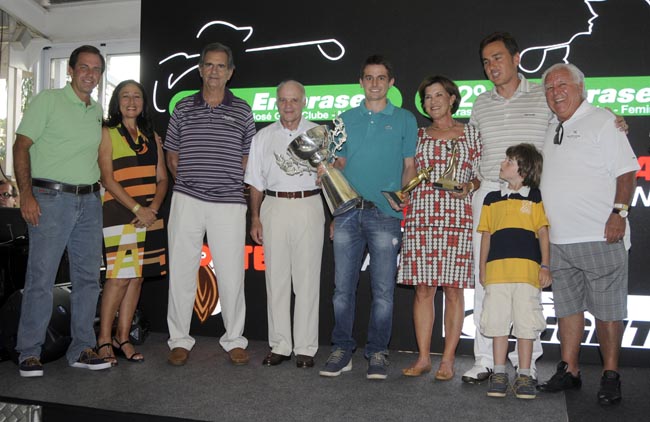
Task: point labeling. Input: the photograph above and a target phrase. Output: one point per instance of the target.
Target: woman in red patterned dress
(437, 248)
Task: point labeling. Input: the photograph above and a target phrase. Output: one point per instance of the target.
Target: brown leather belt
(293, 195)
(64, 187)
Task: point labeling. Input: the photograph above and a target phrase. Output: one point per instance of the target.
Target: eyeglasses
(559, 134)
(7, 195)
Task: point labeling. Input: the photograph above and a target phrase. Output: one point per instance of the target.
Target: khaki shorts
(516, 304)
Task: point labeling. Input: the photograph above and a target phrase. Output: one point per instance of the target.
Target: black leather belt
(64, 187)
(293, 195)
(364, 204)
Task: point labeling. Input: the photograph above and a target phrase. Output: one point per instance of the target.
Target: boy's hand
(545, 278)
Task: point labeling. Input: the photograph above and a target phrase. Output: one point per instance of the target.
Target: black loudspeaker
(57, 338)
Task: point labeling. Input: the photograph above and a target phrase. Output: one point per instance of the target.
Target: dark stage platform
(209, 388)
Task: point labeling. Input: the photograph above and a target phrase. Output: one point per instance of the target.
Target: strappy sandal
(135, 357)
(110, 357)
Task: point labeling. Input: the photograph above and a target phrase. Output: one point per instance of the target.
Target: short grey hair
(217, 46)
(576, 74)
(300, 86)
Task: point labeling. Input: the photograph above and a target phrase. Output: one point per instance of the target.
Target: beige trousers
(225, 225)
(293, 231)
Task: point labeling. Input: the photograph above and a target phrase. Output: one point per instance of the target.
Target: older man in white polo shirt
(287, 218)
(587, 184)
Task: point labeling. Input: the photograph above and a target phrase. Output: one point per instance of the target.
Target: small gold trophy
(447, 181)
(398, 196)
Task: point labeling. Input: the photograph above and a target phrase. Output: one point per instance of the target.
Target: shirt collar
(523, 87)
(302, 127)
(227, 98)
(582, 109)
(523, 191)
(72, 96)
(388, 110)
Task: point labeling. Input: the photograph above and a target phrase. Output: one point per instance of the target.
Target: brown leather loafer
(238, 356)
(178, 356)
(304, 361)
(273, 359)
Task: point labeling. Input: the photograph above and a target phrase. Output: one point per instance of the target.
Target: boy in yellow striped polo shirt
(514, 266)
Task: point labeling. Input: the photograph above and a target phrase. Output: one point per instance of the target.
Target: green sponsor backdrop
(624, 95)
(324, 102)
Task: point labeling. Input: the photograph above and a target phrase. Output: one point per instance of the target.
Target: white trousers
(483, 345)
(225, 225)
(293, 231)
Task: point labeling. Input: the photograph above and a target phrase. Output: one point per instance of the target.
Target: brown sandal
(415, 371)
(442, 375)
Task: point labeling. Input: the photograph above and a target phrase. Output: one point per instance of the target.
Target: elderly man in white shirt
(587, 184)
(287, 217)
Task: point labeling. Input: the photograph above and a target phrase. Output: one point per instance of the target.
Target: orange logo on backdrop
(207, 292)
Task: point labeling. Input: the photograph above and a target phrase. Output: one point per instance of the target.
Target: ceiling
(96, 21)
(55, 2)
(13, 30)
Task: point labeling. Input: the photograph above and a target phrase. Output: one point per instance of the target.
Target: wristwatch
(622, 212)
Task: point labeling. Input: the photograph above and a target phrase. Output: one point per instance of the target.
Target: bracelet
(544, 267)
(135, 208)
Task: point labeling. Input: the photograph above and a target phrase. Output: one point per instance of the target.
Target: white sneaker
(88, 359)
(477, 374)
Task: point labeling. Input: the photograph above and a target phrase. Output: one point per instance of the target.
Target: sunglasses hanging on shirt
(559, 134)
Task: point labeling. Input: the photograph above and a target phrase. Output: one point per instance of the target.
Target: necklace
(443, 128)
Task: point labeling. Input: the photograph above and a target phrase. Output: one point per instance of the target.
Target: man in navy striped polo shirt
(207, 144)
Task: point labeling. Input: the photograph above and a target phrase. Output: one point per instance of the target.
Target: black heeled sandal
(119, 351)
(111, 357)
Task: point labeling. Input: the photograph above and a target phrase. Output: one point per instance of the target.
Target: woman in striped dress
(134, 177)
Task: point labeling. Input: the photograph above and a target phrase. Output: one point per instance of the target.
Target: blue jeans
(68, 220)
(353, 231)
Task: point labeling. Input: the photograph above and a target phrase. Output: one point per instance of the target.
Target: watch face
(622, 213)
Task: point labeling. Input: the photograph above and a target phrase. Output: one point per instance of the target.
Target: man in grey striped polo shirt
(514, 111)
(207, 144)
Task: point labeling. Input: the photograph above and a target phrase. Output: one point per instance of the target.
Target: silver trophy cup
(315, 150)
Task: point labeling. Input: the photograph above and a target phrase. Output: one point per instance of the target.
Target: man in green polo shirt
(55, 162)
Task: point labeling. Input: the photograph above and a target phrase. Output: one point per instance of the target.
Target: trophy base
(397, 197)
(448, 185)
(345, 207)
